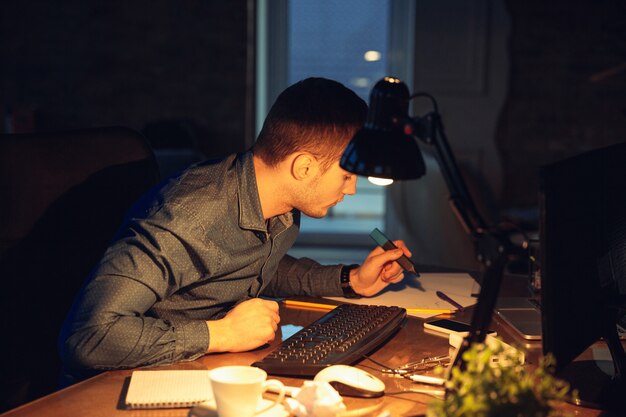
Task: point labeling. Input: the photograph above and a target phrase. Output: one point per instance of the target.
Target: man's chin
(317, 214)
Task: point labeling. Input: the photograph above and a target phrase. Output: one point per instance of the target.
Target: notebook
(168, 389)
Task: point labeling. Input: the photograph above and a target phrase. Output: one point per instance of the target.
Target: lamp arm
(459, 194)
(488, 245)
(492, 248)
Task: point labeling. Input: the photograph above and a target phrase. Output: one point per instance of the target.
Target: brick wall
(567, 90)
(92, 63)
(99, 62)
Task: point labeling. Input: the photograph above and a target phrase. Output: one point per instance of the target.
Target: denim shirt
(188, 252)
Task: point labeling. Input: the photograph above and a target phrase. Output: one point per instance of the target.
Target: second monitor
(583, 271)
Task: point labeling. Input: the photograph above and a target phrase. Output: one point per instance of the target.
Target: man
(185, 274)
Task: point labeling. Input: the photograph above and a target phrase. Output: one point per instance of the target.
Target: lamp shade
(382, 148)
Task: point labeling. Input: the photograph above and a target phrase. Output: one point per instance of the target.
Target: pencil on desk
(306, 304)
(320, 306)
(430, 310)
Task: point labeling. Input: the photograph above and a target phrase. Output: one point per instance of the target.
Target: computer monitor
(583, 267)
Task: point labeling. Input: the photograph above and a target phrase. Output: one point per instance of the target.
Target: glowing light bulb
(380, 181)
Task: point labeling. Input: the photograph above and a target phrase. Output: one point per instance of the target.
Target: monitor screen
(583, 250)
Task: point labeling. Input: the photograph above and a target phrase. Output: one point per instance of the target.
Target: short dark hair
(316, 115)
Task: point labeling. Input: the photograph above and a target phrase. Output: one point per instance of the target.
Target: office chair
(62, 197)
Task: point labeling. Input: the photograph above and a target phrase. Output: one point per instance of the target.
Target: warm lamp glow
(380, 181)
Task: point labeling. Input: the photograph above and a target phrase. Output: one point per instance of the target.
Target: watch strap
(346, 287)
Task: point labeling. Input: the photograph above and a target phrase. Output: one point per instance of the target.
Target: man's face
(326, 190)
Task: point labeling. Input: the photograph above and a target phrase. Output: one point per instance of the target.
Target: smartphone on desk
(448, 326)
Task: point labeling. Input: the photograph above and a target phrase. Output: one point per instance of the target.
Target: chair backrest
(62, 197)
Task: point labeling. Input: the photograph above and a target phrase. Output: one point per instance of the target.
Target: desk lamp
(386, 147)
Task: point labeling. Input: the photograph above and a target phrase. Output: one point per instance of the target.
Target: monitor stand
(601, 384)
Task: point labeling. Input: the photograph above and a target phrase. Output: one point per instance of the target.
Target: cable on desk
(369, 367)
(368, 357)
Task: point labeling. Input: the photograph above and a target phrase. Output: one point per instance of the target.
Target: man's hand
(379, 270)
(248, 325)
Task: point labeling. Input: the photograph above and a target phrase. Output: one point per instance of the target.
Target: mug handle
(276, 386)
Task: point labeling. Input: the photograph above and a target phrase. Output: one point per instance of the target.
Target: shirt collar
(250, 212)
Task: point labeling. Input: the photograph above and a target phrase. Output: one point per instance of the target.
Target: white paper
(415, 292)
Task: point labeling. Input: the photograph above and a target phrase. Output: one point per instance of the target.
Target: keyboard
(342, 336)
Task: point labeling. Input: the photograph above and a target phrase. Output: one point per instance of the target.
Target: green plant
(502, 388)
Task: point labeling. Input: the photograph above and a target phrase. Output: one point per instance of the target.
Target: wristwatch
(346, 287)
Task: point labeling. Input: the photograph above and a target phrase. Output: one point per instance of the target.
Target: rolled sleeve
(192, 339)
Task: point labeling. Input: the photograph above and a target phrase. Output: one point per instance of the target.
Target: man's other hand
(248, 325)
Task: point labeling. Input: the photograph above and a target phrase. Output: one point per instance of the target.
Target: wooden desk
(104, 394)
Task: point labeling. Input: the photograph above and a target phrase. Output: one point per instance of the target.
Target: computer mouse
(351, 381)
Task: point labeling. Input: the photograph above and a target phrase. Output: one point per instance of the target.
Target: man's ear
(304, 166)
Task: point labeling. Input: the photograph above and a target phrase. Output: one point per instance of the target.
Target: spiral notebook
(168, 389)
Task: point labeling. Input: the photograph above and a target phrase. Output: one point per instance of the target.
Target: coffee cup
(238, 390)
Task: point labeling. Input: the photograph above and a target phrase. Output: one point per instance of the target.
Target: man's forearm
(128, 342)
(304, 277)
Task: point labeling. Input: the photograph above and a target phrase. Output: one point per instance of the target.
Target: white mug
(238, 390)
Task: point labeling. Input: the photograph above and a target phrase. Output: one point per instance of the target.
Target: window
(344, 41)
(350, 41)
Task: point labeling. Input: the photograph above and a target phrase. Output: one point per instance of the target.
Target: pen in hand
(384, 242)
(445, 297)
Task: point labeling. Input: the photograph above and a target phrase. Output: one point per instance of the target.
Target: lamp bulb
(380, 181)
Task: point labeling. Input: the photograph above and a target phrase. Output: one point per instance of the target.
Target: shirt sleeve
(109, 326)
(304, 276)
